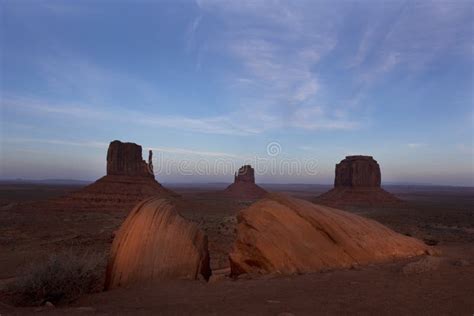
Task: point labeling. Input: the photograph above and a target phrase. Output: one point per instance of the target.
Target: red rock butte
(283, 235)
(129, 179)
(357, 182)
(244, 185)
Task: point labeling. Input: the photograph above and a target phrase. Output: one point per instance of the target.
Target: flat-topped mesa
(357, 182)
(245, 174)
(125, 159)
(357, 171)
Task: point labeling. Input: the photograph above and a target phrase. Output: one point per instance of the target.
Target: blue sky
(206, 81)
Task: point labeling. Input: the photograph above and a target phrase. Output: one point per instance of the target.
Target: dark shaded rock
(245, 174)
(125, 159)
(357, 182)
(431, 242)
(244, 186)
(129, 180)
(357, 171)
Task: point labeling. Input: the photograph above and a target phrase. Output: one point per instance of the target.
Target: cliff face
(129, 180)
(245, 174)
(357, 182)
(357, 171)
(125, 159)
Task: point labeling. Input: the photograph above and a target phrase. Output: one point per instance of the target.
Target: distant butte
(357, 182)
(244, 185)
(125, 159)
(129, 179)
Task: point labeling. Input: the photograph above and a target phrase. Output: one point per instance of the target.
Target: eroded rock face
(285, 235)
(244, 185)
(156, 243)
(129, 180)
(245, 174)
(357, 171)
(125, 159)
(357, 182)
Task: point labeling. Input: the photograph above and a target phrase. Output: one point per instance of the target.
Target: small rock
(461, 263)
(49, 304)
(425, 264)
(217, 278)
(86, 309)
(431, 242)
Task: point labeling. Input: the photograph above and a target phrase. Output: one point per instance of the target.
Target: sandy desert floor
(30, 231)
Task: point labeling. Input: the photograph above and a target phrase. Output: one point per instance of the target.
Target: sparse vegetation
(62, 277)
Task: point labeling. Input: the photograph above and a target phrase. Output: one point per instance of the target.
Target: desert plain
(31, 229)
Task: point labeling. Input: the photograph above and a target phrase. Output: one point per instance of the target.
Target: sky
(291, 87)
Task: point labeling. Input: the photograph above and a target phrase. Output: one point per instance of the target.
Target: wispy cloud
(184, 151)
(278, 80)
(411, 35)
(416, 145)
(224, 125)
(91, 144)
(103, 145)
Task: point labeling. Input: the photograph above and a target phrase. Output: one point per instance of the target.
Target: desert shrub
(62, 277)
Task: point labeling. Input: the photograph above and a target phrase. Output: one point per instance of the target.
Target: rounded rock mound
(156, 243)
(284, 235)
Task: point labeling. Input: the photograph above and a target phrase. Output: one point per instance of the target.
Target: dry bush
(63, 277)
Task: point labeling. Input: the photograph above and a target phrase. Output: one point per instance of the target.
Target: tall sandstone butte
(125, 159)
(357, 182)
(357, 171)
(244, 185)
(129, 179)
(245, 174)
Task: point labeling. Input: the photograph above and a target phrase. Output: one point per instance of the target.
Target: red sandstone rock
(244, 185)
(125, 159)
(129, 180)
(357, 171)
(156, 243)
(245, 174)
(285, 235)
(357, 182)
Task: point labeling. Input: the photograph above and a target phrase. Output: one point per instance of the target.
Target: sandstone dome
(156, 243)
(285, 235)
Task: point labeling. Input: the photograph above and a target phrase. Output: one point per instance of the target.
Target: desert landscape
(433, 274)
(250, 157)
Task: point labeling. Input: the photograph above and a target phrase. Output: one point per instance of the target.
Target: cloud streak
(278, 80)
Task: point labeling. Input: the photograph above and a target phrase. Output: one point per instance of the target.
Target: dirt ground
(30, 230)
